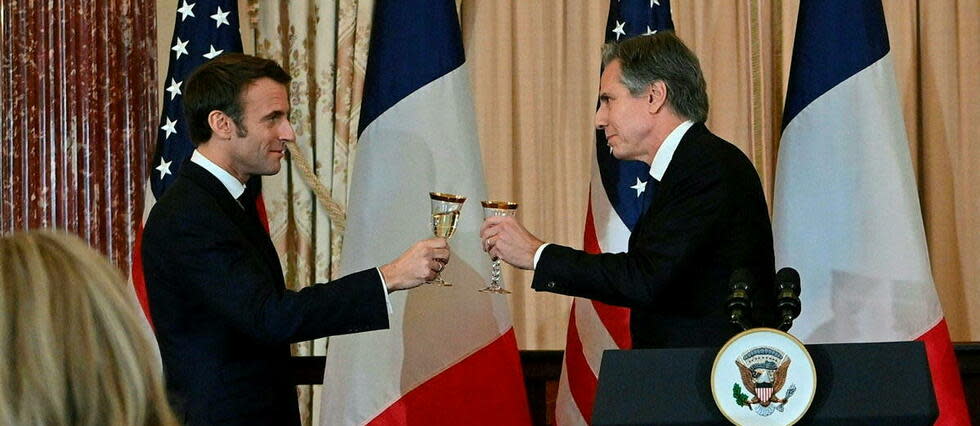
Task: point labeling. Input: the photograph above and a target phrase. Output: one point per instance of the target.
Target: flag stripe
(853, 33)
(460, 392)
(611, 233)
(424, 49)
(593, 334)
(616, 320)
(139, 283)
(590, 237)
(946, 380)
(566, 411)
(613, 237)
(582, 380)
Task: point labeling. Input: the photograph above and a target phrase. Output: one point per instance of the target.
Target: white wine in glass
(444, 224)
(445, 215)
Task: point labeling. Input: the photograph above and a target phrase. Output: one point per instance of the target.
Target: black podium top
(859, 383)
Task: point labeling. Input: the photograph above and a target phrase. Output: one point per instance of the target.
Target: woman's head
(74, 347)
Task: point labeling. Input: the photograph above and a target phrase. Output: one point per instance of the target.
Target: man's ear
(656, 96)
(222, 126)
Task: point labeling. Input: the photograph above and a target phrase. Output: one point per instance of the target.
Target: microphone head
(788, 277)
(740, 287)
(739, 302)
(788, 296)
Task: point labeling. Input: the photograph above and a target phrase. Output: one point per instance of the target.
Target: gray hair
(662, 57)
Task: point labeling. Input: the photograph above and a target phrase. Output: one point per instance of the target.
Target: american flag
(203, 30)
(616, 204)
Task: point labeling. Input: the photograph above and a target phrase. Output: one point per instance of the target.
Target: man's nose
(600, 118)
(287, 134)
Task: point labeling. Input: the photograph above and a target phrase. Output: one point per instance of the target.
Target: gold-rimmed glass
(445, 215)
(497, 208)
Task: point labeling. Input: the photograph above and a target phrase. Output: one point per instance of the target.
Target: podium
(857, 383)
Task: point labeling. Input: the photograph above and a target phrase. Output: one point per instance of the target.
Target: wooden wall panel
(78, 94)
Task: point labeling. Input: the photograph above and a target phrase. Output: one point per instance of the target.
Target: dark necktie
(649, 192)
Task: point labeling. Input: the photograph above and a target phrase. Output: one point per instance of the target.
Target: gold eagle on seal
(763, 372)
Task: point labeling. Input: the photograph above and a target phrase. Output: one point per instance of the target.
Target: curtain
(535, 69)
(78, 108)
(323, 46)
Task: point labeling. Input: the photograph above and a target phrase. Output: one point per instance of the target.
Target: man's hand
(418, 264)
(505, 238)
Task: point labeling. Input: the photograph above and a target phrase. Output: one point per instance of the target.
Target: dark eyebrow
(273, 115)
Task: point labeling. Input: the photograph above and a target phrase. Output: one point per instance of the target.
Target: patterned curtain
(78, 107)
(323, 45)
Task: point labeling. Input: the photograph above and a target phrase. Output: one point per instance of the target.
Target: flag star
(174, 88)
(639, 187)
(186, 10)
(220, 18)
(170, 128)
(619, 29)
(164, 168)
(213, 53)
(180, 47)
(649, 31)
(654, 2)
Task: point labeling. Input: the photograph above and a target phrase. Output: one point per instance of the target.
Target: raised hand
(505, 238)
(418, 264)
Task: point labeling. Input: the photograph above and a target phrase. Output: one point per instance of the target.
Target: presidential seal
(763, 371)
(763, 376)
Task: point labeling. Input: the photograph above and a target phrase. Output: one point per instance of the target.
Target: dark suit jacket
(707, 218)
(222, 315)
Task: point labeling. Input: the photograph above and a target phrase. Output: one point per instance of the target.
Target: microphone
(787, 297)
(740, 298)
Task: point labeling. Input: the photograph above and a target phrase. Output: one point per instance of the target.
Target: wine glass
(445, 214)
(497, 208)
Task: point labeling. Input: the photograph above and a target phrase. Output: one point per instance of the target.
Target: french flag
(450, 356)
(846, 207)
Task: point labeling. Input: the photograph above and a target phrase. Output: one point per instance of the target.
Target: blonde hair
(74, 346)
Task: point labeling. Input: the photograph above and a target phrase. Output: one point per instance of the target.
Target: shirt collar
(666, 152)
(234, 186)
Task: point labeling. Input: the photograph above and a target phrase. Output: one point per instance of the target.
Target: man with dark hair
(707, 215)
(223, 316)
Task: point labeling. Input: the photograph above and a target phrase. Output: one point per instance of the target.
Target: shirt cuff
(384, 289)
(537, 254)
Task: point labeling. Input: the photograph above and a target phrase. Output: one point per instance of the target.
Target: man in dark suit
(222, 314)
(707, 216)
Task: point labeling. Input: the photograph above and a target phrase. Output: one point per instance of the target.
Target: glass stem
(495, 274)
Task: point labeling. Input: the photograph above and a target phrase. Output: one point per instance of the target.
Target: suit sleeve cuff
(537, 254)
(384, 289)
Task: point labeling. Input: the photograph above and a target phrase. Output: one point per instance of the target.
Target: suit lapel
(678, 164)
(244, 216)
(258, 233)
(213, 186)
